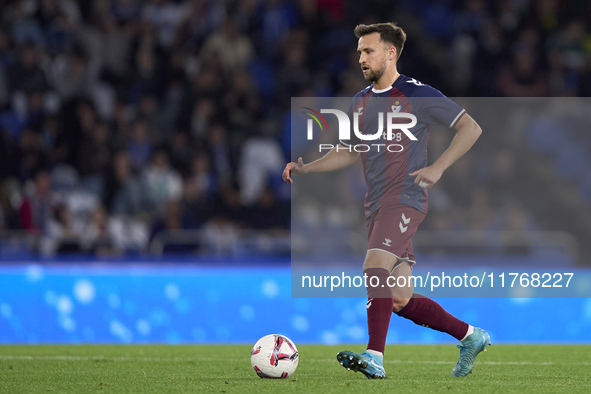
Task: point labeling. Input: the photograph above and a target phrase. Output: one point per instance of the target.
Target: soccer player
(396, 199)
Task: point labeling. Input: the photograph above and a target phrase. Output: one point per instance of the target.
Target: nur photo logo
(392, 126)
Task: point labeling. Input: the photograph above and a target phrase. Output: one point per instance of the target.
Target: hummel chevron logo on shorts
(406, 221)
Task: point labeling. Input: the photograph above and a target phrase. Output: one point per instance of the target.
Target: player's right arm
(335, 159)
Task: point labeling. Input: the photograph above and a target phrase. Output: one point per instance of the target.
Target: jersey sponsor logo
(360, 110)
(396, 137)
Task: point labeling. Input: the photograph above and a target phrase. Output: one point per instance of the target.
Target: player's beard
(374, 76)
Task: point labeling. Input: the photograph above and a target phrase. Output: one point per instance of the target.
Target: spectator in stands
(260, 156)
(121, 124)
(561, 81)
(276, 19)
(472, 17)
(221, 236)
(5, 63)
(220, 153)
(234, 48)
(37, 207)
(97, 236)
(171, 219)
(161, 181)
(572, 45)
(140, 144)
(166, 16)
(522, 78)
(267, 213)
(124, 191)
(26, 75)
(71, 75)
(174, 219)
(9, 217)
(181, 152)
(203, 115)
(63, 232)
(242, 107)
(30, 152)
(202, 176)
(94, 153)
(197, 206)
(155, 118)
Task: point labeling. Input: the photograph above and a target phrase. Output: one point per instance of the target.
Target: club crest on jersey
(396, 108)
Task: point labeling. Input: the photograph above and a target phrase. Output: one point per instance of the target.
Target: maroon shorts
(391, 228)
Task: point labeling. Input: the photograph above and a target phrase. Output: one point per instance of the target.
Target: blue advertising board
(111, 303)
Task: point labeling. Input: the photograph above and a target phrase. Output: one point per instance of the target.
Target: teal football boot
(371, 365)
(469, 349)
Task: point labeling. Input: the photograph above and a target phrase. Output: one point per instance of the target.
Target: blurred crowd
(123, 119)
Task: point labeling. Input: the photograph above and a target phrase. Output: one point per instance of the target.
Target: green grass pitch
(226, 369)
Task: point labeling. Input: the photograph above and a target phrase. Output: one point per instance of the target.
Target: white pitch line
(100, 358)
(169, 359)
(477, 362)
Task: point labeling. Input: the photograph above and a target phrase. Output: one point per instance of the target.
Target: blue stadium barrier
(175, 303)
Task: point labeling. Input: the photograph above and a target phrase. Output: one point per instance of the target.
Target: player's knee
(399, 303)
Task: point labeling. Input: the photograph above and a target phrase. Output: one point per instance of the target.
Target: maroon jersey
(387, 163)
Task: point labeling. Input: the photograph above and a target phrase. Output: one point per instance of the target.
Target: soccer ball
(274, 357)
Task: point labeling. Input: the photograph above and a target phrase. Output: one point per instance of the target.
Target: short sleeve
(440, 110)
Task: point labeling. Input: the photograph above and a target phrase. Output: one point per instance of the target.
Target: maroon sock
(379, 307)
(426, 312)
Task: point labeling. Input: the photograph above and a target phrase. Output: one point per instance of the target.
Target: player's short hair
(389, 33)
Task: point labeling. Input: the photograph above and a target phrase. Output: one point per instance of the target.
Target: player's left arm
(467, 133)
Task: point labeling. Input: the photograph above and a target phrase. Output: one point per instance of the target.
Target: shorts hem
(412, 262)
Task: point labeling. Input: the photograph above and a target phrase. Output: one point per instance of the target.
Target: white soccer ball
(274, 357)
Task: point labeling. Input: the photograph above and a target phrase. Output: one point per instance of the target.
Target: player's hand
(294, 169)
(427, 176)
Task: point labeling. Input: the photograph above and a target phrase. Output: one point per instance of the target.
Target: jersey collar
(378, 91)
